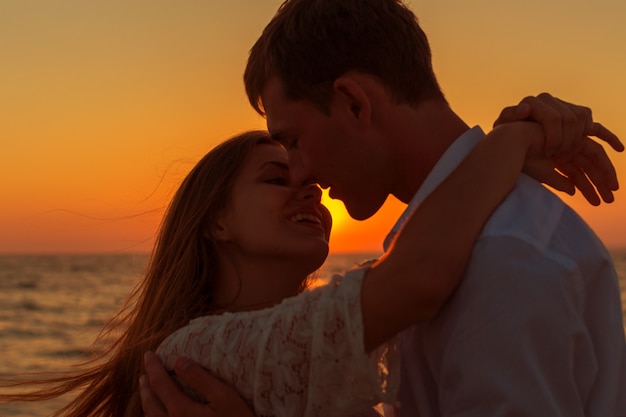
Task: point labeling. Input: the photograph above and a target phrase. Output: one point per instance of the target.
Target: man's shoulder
(535, 218)
(530, 212)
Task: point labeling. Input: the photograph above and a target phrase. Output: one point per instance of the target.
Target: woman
(239, 238)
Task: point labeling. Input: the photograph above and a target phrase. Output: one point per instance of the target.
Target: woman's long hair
(177, 287)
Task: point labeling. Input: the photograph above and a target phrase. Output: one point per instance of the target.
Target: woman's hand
(565, 157)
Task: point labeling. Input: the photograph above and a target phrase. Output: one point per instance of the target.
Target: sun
(340, 215)
(351, 236)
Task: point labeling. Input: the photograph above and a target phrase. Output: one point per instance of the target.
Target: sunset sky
(105, 106)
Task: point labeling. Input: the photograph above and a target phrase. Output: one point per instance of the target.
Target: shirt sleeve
(304, 357)
(513, 339)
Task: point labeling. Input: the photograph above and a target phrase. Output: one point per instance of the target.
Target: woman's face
(270, 216)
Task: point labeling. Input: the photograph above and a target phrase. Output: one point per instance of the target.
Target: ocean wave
(29, 305)
(68, 353)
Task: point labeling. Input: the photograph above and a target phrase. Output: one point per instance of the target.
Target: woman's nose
(311, 192)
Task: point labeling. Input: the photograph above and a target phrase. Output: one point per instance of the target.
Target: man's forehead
(269, 108)
(273, 93)
(275, 132)
(279, 121)
(269, 154)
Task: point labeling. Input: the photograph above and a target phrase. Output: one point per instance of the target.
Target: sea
(52, 308)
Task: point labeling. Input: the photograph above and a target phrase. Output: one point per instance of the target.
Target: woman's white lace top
(303, 357)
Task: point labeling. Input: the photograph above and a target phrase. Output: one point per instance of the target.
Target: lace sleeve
(304, 357)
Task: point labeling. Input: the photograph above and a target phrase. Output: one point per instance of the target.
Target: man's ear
(353, 98)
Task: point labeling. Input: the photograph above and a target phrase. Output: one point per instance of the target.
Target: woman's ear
(217, 231)
(352, 97)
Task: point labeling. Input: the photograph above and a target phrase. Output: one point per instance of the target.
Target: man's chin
(361, 212)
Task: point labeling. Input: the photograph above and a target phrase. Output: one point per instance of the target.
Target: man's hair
(308, 44)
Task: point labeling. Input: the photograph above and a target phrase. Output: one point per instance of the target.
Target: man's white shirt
(535, 327)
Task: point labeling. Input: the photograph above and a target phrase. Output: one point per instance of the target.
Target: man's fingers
(222, 398)
(198, 379)
(151, 405)
(162, 384)
(160, 381)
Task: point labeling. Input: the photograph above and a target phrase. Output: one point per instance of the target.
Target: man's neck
(421, 136)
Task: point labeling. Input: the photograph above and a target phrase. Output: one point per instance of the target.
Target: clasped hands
(568, 159)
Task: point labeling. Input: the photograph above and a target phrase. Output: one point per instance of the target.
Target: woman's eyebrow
(279, 164)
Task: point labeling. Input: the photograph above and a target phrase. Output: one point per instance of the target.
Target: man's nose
(299, 173)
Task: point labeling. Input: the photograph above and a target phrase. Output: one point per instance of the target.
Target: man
(535, 327)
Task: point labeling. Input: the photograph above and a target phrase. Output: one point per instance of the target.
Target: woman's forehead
(264, 153)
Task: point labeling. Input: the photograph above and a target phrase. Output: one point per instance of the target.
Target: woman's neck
(246, 286)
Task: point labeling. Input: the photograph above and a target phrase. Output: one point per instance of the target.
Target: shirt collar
(448, 162)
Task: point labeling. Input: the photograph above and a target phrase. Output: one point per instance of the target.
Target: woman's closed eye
(277, 181)
(275, 173)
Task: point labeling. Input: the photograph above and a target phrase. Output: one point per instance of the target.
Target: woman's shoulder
(350, 281)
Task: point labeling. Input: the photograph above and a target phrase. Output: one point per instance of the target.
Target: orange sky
(104, 106)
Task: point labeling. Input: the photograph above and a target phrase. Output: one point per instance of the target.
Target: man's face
(331, 150)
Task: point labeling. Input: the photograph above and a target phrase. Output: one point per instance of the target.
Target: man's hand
(161, 396)
(570, 159)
